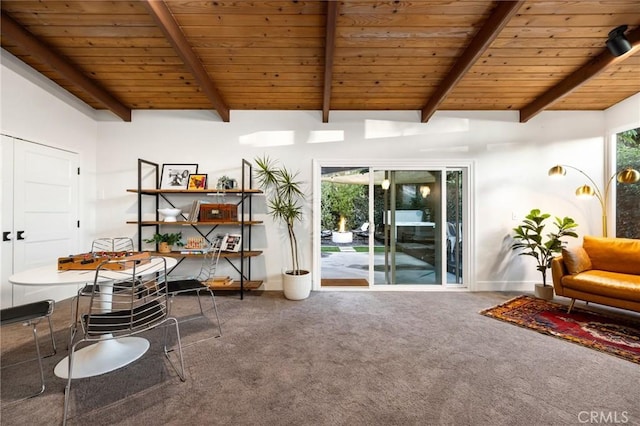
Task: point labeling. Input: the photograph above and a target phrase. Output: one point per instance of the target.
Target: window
(628, 196)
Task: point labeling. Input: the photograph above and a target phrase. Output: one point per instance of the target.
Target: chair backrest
(209, 263)
(112, 244)
(122, 244)
(117, 307)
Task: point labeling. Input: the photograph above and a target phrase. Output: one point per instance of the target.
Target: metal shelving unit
(169, 196)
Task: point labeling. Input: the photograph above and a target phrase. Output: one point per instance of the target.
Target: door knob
(20, 235)
(6, 236)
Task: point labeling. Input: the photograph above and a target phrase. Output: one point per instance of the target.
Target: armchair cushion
(576, 259)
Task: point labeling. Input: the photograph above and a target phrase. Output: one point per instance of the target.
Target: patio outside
(414, 255)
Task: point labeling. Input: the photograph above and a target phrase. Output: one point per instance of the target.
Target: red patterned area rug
(615, 335)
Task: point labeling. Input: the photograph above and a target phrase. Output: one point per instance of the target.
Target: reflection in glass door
(408, 227)
(453, 249)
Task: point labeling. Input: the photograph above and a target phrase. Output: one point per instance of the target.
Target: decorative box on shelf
(218, 212)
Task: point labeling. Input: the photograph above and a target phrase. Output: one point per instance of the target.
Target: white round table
(106, 355)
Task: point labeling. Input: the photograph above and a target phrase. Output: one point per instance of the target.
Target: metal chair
(31, 314)
(198, 284)
(99, 245)
(112, 244)
(121, 310)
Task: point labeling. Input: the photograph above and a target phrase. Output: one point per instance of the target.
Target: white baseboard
(503, 286)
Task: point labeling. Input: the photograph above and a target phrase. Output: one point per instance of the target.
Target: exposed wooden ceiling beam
(23, 38)
(330, 45)
(579, 77)
(501, 15)
(165, 20)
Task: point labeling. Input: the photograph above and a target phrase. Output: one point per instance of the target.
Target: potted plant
(284, 200)
(165, 241)
(530, 240)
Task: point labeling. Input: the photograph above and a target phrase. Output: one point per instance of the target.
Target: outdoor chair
(363, 231)
(31, 314)
(119, 310)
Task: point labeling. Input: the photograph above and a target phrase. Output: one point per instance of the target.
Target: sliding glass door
(392, 226)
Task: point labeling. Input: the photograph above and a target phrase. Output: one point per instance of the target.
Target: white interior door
(6, 289)
(45, 213)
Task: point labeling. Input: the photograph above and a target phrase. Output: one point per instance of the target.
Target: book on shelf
(194, 251)
(227, 242)
(194, 213)
(232, 243)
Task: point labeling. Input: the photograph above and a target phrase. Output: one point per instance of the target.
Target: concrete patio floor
(350, 264)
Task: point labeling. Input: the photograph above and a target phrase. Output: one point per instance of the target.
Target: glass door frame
(467, 166)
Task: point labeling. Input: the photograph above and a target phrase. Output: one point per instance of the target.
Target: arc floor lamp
(625, 176)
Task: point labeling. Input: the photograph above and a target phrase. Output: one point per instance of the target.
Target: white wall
(511, 163)
(623, 116)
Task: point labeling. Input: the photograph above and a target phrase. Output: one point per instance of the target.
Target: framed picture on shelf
(197, 182)
(176, 176)
(232, 243)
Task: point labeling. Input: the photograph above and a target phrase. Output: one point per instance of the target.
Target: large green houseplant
(531, 241)
(285, 198)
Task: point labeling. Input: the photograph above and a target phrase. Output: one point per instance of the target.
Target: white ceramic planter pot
(544, 292)
(297, 287)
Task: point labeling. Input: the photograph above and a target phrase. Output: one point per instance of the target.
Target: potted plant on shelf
(530, 240)
(284, 201)
(165, 241)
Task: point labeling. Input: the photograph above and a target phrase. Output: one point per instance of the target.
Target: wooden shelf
(230, 255)
(237, 191)
(237, 197)
(185, 223)
(235, 285)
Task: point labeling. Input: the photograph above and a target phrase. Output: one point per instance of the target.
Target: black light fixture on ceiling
(617, 43)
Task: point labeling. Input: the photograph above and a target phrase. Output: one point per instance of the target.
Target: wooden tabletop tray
(92, 260)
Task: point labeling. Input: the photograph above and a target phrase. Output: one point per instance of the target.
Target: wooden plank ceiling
(317, 55)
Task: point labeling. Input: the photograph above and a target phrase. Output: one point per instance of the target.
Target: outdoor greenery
(529, 239)
(346, 200)
(351, 201)
(454, 198)
(628, 196)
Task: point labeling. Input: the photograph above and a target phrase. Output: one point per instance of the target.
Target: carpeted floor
(341, 358)
(617, 335)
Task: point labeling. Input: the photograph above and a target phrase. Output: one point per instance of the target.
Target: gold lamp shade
(585, 191)
(556, 171)
(629, 175)
(625, 176)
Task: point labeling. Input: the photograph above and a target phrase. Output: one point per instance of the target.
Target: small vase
(164, 248)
